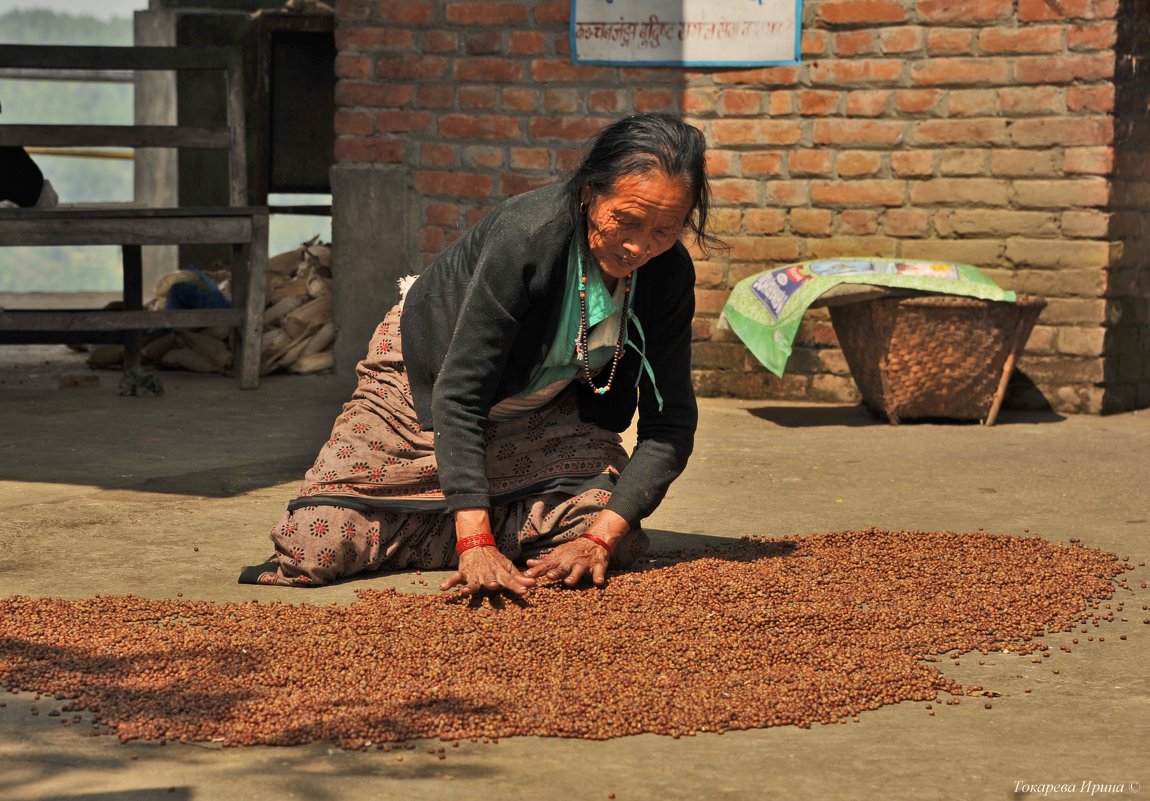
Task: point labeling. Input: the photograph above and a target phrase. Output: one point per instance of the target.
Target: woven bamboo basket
(934, 356)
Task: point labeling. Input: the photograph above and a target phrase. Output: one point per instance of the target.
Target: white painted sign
(686, 32)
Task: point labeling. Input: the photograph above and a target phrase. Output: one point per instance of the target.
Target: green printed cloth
(766, 309)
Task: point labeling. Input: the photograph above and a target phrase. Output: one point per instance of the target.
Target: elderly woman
(484, 431)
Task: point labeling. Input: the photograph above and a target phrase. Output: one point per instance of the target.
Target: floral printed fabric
(372, 499)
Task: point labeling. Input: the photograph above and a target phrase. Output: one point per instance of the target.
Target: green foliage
(39, 26)
(76, 180)
(82, 180)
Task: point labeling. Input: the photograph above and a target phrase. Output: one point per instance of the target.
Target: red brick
(479, 126)
(439, 41)
(959, 71)
(917, 101)
(1024, 163)
(647, 100)
(481, 157)
(734, 190)
(432, 240)
(375, 95)
(696, 100)
(810, 162)
(1063, 131)
(858, 222)
(955, 191)
(526, 43)
(1064, 69)
(710, 301)
(760, 249)
(818, 103)
(858, 193)
(963, 162)
(814, 42)
(483, 43)
(720, 163)
(856, 163)
(1039, 39)
(436, 155)
(741, 102)
(547, 71)
(353, 10)
(906, 222)
(763, 76)
(853, 43)
(868, 102)
(850, 12)
(354, 67)
(901, 40)
(571, 129)
(487, 13)
(531, 158)
(950, 41)
(457, 184)
(1092, 36)
(763, 162)
(488, 70)
(960, 132)
(371, 39)
(473, 97)
(1030, 100)
(399, 121)
(372, 151)
(563, 101)
(858, 132)
(972, 103)
(436, 96)
(555, 12)
(411, 67)
(1058, 10)
(1089, 161)
(811, 222)
(836, 72)
(607, 100)
(520, 98)
(788, 193)
(1090, 98)
(406, 12)
(764, 221)
(445, 214)
(756, 132)
(965, 10)
(353, 123)
(780, 104)
(912, 163)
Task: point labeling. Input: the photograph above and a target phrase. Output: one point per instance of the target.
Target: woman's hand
(581, 557)
(485, 568)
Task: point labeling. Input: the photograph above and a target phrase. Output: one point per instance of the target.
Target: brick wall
(986, 131)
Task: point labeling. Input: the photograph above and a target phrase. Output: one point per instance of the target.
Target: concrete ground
(138, 484)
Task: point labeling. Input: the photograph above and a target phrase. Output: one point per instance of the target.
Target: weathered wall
(1127, 344)
(974, 130)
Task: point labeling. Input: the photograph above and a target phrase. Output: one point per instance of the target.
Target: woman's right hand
(486, 569)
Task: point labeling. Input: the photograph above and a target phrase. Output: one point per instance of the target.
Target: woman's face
(641, 217)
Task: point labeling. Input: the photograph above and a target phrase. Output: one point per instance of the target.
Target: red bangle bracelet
(475, 541)
(599, 542)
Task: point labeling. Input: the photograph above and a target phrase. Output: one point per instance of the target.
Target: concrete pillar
(370, 253)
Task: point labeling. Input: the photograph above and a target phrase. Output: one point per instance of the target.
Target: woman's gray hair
(644, 143)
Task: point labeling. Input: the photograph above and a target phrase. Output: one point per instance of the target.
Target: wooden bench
(130, 225)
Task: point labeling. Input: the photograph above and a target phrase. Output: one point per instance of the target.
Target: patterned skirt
(372, 500)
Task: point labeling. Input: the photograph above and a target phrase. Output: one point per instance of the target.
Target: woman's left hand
(574, 560)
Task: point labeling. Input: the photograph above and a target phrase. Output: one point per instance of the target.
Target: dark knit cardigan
(481, 318)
